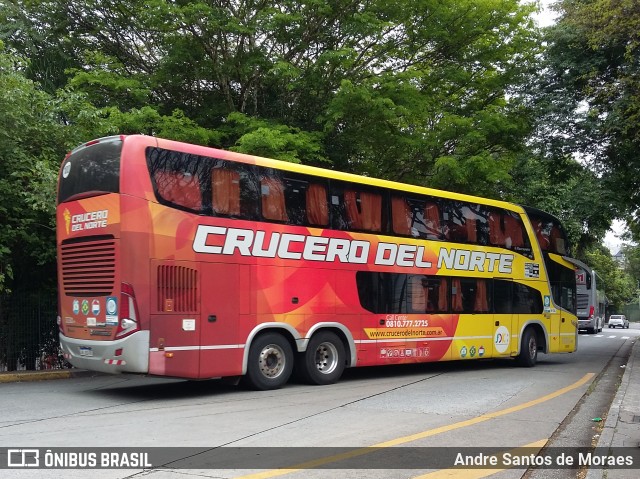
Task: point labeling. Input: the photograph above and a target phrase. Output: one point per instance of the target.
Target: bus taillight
(128, 312)
(591, 311)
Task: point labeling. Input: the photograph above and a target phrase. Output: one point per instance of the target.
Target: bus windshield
(92, 169)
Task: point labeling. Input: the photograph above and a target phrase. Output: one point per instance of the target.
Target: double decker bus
(591, 299)
(186, 261)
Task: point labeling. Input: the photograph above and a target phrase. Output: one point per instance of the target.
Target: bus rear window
(91, 170)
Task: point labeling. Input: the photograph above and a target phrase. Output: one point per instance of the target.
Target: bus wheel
(324, 361)
(529, 348)
(270, 362)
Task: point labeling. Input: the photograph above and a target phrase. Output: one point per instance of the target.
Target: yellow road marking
(462, 473)
(414, 437)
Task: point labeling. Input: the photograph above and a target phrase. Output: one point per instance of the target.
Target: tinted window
(460, 222)
(416, 217)
(515, 298)
(177, 178)
(456, 221)
(394, 293)
(549, 232)
(383, 292)
(234, 189)
(563, 285)
(93, 169)
(506, 230)
(354, 208)
(293, 199)
(470, 295)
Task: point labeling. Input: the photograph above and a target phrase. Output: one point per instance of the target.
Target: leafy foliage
(448, 94)
(30, 137)
(421, 91)
(591, 94)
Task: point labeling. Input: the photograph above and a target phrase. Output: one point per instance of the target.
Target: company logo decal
(501, 339)
(261, 244)
(67, 219)
(86, 221)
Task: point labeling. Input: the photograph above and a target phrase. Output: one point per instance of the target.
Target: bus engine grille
(88, 266)
(177, 289)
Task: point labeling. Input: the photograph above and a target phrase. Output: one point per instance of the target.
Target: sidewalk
(622, 427)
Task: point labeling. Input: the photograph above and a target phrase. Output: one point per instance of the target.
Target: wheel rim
(272, 361)
(533, 347)
(326, 358)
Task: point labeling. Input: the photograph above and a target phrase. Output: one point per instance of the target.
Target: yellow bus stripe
(421, 435)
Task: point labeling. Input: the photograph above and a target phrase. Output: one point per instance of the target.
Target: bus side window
(443, 295)
(513, 231)
(432, 221)
(418, 298)
(471, 224)
(416, 217)
(387, 293)
(541, 234)
(364, 210)
(456, 296)
(496, 232)
(461, 223)
(481, 304)
(526, 300)
(182, 189)
(470, 295)
(503, 296)
(437, 294)
(317, 207)
(273, 204)
(557, 241)
(481, 214)
(401, 216)
(225, 191)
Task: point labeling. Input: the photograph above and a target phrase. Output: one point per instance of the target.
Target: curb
(606, 439)
(25, 376)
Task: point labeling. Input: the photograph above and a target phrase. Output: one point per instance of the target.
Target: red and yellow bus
(185, 261)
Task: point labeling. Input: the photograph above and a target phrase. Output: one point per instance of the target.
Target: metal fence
(29, 333)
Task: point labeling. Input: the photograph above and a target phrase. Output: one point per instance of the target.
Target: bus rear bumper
(586, 324)
(101, 355)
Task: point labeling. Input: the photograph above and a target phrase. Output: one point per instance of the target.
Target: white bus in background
(591, 299)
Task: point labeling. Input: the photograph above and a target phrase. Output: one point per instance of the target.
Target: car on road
(620, 320)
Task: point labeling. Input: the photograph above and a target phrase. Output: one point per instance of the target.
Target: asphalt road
(488, 404)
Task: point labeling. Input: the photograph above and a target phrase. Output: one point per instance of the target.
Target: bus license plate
(86, 352)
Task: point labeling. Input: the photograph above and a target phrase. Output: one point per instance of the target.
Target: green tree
(632, 258)
(31, 146)
(417, 90)
(591, 94)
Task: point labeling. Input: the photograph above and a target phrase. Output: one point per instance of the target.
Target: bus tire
(270, 362)
(324, 360)
(528, 349)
